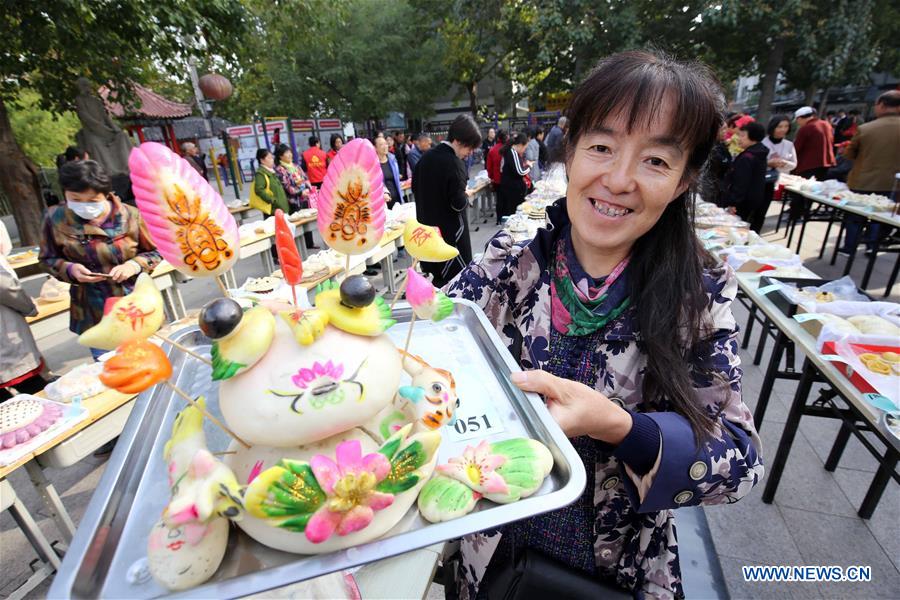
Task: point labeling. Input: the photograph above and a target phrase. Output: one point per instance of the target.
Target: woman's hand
(578, 409)
(82, 274)
(125, 271)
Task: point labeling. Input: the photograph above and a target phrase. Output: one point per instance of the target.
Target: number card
(474, 421)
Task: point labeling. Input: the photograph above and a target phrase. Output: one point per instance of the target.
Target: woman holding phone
(95, 242)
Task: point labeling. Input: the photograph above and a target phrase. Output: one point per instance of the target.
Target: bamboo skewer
(409, 333)
(183, 348)
(222, 286)
(206, 414)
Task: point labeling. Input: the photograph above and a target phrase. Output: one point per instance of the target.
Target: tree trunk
(19, 179)
(809, 94)
(823, 101)
(472, 88)
(769, 80)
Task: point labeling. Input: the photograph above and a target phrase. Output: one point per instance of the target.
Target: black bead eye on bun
(220, 317)
(357, 292)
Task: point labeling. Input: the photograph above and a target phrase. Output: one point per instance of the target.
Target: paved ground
(812, 521)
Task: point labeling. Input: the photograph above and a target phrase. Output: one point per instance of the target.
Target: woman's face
(381, 147)
(520, 148)
(268, 160)
(782, 129)
(338, 143)
(87, 195)
(287, 156)
(620, 183)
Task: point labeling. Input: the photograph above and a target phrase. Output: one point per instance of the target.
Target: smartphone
(104, 275)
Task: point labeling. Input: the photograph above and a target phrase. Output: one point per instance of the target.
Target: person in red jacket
(314, 162)
(814, 144)
(494, 158)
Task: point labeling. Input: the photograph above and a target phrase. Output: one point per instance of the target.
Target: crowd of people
(748, 157)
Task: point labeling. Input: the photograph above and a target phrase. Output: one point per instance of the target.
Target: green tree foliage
(42, 134)
(813, 44)
(886, 25)
(49, 44)
(354, 58)
(567, 37)
(478, 39)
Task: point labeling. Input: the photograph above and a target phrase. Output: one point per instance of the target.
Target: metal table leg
(169, 305)
(850, 260)
(179, 302)
(769, 380)
(761, 345)
(748, 330)
(52, 501)
(837, 242)
(790, 430)
(879, 482)
(840, 442)
(827, 231)
(806, 218)
(49, 561)
(387, 270)
(893, 278)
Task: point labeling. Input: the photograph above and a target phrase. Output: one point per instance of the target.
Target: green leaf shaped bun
(443, 499)
(528, 462)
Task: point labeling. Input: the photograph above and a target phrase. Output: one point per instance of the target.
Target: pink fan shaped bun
(185, 216)
(351, 201)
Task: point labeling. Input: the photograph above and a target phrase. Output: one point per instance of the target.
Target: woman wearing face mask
(95, 242)
(513, 170)
(623, 324)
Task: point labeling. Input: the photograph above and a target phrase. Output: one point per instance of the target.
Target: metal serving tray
(107, 558)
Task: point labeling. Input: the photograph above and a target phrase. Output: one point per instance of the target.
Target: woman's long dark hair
(667, 262)
(774, 122)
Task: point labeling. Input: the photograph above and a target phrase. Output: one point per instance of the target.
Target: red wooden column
(173, 138)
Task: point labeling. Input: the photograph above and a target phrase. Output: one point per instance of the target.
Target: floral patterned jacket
(634, 537)
(67, 238)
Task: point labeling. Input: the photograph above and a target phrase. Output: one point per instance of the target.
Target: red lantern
(215, 86)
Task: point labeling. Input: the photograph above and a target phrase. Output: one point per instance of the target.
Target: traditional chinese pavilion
(150, 110)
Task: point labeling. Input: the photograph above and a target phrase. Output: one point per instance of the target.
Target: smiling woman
(624, 325)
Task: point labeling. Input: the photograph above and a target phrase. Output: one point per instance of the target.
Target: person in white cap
(814, 144)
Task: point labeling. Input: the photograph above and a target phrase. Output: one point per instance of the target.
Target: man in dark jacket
(440, 191)
(746, 182)
(421, 145)
(400, 152)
